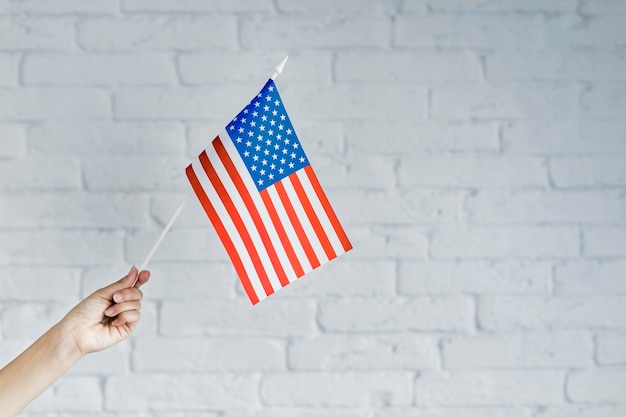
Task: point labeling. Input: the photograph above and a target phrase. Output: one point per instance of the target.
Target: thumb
(123, 283)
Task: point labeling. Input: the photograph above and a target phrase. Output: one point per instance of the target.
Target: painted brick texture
(475, 151)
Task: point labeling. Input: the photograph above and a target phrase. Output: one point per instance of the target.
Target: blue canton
(265, 139)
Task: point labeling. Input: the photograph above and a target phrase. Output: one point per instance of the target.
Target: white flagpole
(277, 71)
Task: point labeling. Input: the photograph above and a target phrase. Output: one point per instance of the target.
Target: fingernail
(117, 297)
(109, 311)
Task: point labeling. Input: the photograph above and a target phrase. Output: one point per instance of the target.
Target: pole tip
(278, 69)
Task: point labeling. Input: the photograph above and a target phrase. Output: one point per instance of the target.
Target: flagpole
(278, 69)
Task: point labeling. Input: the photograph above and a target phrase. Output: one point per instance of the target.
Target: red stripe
(252, 210)
(239, 225)
(223, 235)
(315, 221)
(297, 226)
(284, 239)
(343, 238)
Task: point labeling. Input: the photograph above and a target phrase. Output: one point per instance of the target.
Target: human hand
(107, 316)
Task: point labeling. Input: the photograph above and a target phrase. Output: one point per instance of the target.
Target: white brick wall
(474, 149)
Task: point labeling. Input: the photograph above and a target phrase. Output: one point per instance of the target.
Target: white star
(240, 130)
(255, 158)
(266, 152)
(280, 170)
(232, 127)
(239, 140)
(252, 123)
(289, 131)
(266, 108)
(280, 127)
(255, 114)
(287, 141)
(282, 117)
(271, 176)
(273, 166)
(264, 162)
(253, 167)
(260, 182)
(283, 160)
(295, 145)
(272, 122)
(290, 164)
(274, 112)
(276, 103)
(262, 172)
(270, 132)
(264, 118)
(274, 156)
(262, 128)
(243, 120)
(302, 159)
(268, 98)
(293, 155)
(245, 111)
(250, 133)
(248, 144)
(246, 154)
(270, 88)
(257, 147)
(257, 104)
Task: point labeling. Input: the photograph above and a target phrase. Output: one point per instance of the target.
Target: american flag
(258, 189)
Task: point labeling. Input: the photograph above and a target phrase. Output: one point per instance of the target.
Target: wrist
(61, 336)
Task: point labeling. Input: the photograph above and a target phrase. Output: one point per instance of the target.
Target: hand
(107, 316)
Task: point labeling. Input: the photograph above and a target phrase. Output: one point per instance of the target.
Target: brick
(98, 69)
(225, 6)
(345, 277)
(54, 7)
(597, 386)
(602, 7)
(71, 394)
(40, 173)
(604, 101)
(602, 32)
(27, 33)
(425, 137)
(610, 349)
(181, 391)
(181, 245)
(377, 352)
(219, 67)
(29, 104)
(484, 6)
(590, 171)
(511, 242)
(238, 317)
(505, 207)
(372, 172)
(388, 242)
(502, 411)
(13, 143)
(336, 7)
(226, 355)
(422, 68)
(219, 103)
(584, 277)
(593, 137)
(591, 65)
(474, 277)
(73, 210)
(551, 313)
(304, 412)
(111, 361)
(397, 314)
(31, 320)
(374, 389)
(470, 31)
(413, 206)
(351, 101)
(9, 70)
(32, 284)
(135, 173)
(582, 411)
(60, 248)
(504, 102)
(106, 138)
(158, 33)
(605, 242)
(471, 171)
(519, 350)
(298, 32)
(471, 388)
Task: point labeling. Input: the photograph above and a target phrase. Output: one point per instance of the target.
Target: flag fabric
(260, 193)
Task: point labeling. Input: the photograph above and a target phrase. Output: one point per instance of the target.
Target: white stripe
(263, 213)
(320, 212)
(305, 221)
(246, 218)
(289, 230)
(224, 216)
